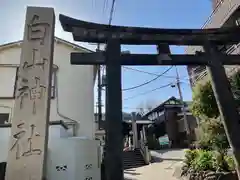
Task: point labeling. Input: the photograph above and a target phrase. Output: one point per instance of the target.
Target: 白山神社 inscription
(29, 133)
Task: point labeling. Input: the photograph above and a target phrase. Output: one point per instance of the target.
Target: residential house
(71, 127)
(72, 86)
(167, 118)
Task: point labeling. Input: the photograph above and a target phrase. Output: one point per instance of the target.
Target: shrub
(212, 136)
(203, 161)
(190, 156)
(230, 162)
(220, 162)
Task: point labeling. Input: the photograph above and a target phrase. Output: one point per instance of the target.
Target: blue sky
(143, 13)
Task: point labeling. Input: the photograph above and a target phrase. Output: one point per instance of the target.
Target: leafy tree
(204, 102)
(235, 84)
(212, 136)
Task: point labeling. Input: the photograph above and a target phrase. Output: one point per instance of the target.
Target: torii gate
(114, 36)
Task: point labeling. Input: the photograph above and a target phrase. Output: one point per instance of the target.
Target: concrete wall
(74, 84)
(215, 3)
(192, 122)
(55, 131)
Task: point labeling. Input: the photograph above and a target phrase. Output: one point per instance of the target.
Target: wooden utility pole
(227, 107)
(185, 120)
(29, 132)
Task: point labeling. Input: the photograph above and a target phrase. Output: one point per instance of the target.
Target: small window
(7, 81)
(4, 118)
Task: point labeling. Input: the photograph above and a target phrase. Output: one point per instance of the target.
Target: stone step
(133, 159)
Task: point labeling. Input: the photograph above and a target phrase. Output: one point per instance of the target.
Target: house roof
(57, 39)
(163, 104)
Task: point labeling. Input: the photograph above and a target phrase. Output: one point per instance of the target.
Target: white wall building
(72, 86)
(72, 146)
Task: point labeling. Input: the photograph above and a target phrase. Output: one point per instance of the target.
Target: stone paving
(163, 167)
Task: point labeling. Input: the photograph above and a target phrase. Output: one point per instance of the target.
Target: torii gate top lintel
(114, 36)
(99, 33)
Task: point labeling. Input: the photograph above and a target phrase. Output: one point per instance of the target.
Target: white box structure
(73, 159)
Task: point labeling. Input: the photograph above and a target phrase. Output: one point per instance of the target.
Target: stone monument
(29, 133)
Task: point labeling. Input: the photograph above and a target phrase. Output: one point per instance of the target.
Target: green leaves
(190, 156)
(212, 135)
(203, 160)
(235, 84)
(204, 102)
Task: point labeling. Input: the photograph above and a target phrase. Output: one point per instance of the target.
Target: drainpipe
(74, 123)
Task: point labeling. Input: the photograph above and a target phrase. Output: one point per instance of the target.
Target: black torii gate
(114, 36)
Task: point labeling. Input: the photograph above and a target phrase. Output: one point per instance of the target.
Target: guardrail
(144, 147)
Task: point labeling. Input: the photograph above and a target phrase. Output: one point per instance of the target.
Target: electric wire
(140, 85)
(146, 72)
(146, 92)
(111, 12)
(105, 2)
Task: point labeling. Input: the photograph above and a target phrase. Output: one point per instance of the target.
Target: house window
(4, 118)
(7, 81)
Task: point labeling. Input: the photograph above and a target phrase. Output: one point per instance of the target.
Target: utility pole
(99, 92)
(164, 51)
(183, 106)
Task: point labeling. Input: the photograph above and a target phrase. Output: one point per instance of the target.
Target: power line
(126, 107)
(140, 85)
(146, 72)
(146, 92)
(105, 3)
(111, 12)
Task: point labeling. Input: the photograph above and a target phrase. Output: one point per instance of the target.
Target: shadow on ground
(134, 166)
(130, 172)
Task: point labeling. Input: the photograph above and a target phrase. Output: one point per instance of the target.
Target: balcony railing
(200, 72)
